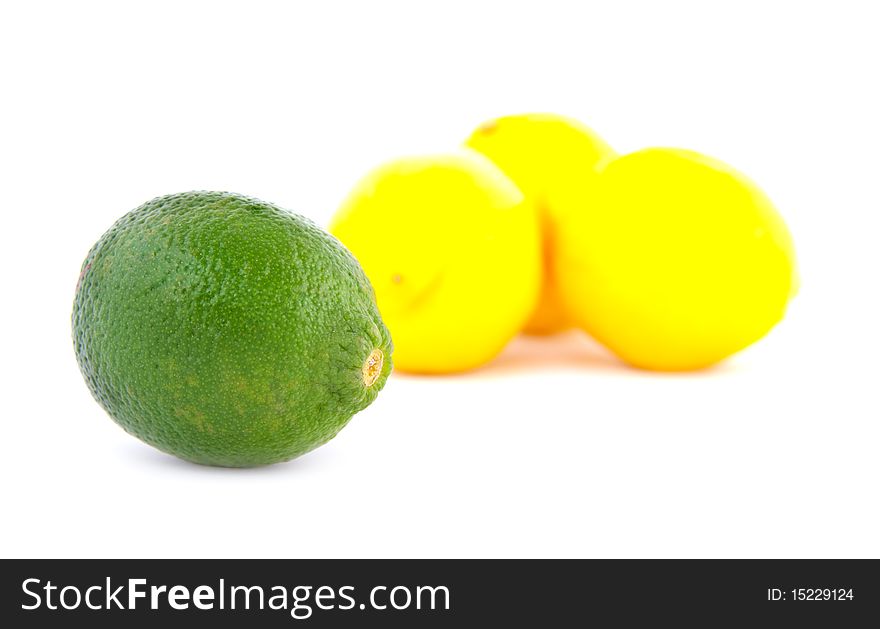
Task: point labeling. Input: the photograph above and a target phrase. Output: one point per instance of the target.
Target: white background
(555, 449)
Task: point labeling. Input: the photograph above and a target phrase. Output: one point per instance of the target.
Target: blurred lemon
(543, 154)
(676, 261)
(452, 250)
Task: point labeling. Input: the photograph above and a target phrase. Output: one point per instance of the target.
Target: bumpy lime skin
(225, 330)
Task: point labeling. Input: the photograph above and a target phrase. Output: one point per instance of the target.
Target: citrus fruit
(452, 251)
(676, 261)
(226, 331)
(545, 155)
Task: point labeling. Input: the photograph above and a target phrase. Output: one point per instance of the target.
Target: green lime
(227, 331)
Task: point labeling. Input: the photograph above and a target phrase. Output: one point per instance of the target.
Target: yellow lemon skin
(453, 253)
(545, 155)
(677, 262)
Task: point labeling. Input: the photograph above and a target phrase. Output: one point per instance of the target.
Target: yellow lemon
(676, 262)
(544, 154)
(452, 250)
